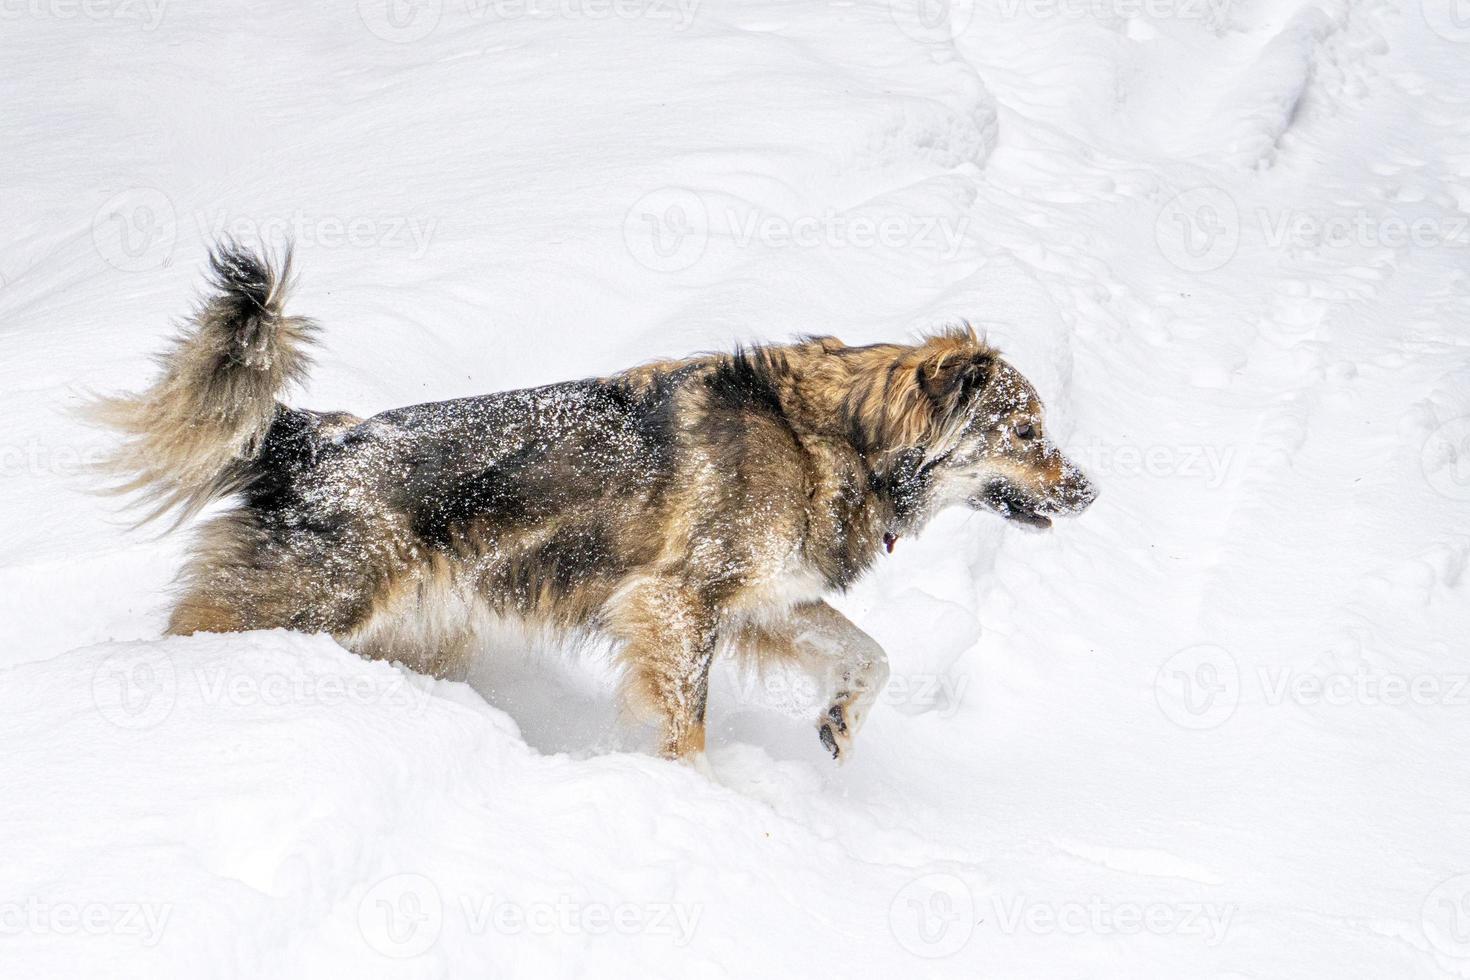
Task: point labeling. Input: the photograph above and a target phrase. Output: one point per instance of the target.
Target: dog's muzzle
(1068, 497)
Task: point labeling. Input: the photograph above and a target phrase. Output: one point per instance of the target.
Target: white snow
(1218, 726)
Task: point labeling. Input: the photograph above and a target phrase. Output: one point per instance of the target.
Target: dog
(683, 510)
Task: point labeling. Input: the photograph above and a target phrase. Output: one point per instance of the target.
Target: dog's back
(396, 533)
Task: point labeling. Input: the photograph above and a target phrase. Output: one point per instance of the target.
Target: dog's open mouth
(1013, 505)
(1028, 517)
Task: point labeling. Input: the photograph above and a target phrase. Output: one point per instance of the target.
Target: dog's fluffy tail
(191, 437)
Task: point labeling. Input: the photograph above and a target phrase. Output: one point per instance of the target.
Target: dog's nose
(1087, 494)
(1078, 493)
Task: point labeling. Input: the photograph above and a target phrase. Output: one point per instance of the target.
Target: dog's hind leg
(850, 664)
(667, 640)
(244, 574)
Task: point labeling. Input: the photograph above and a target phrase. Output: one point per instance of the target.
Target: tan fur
(889, 388)
(213, 402)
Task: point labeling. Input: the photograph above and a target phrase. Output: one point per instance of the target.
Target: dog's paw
(838, 726)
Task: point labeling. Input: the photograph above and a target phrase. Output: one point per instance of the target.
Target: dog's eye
(1026, 431)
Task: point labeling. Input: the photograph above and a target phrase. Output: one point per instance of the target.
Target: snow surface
(1217, 727)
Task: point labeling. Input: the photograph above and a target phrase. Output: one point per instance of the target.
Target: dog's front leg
(849, 662)
(667, 638)
(857, 672)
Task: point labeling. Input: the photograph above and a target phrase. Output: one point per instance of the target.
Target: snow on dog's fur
(682, 509)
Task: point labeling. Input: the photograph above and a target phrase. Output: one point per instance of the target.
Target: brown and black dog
(680, 509)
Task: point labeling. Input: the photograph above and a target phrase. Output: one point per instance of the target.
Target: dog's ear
(952, 382)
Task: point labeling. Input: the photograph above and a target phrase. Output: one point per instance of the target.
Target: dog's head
(993, 450)
(948, 422)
